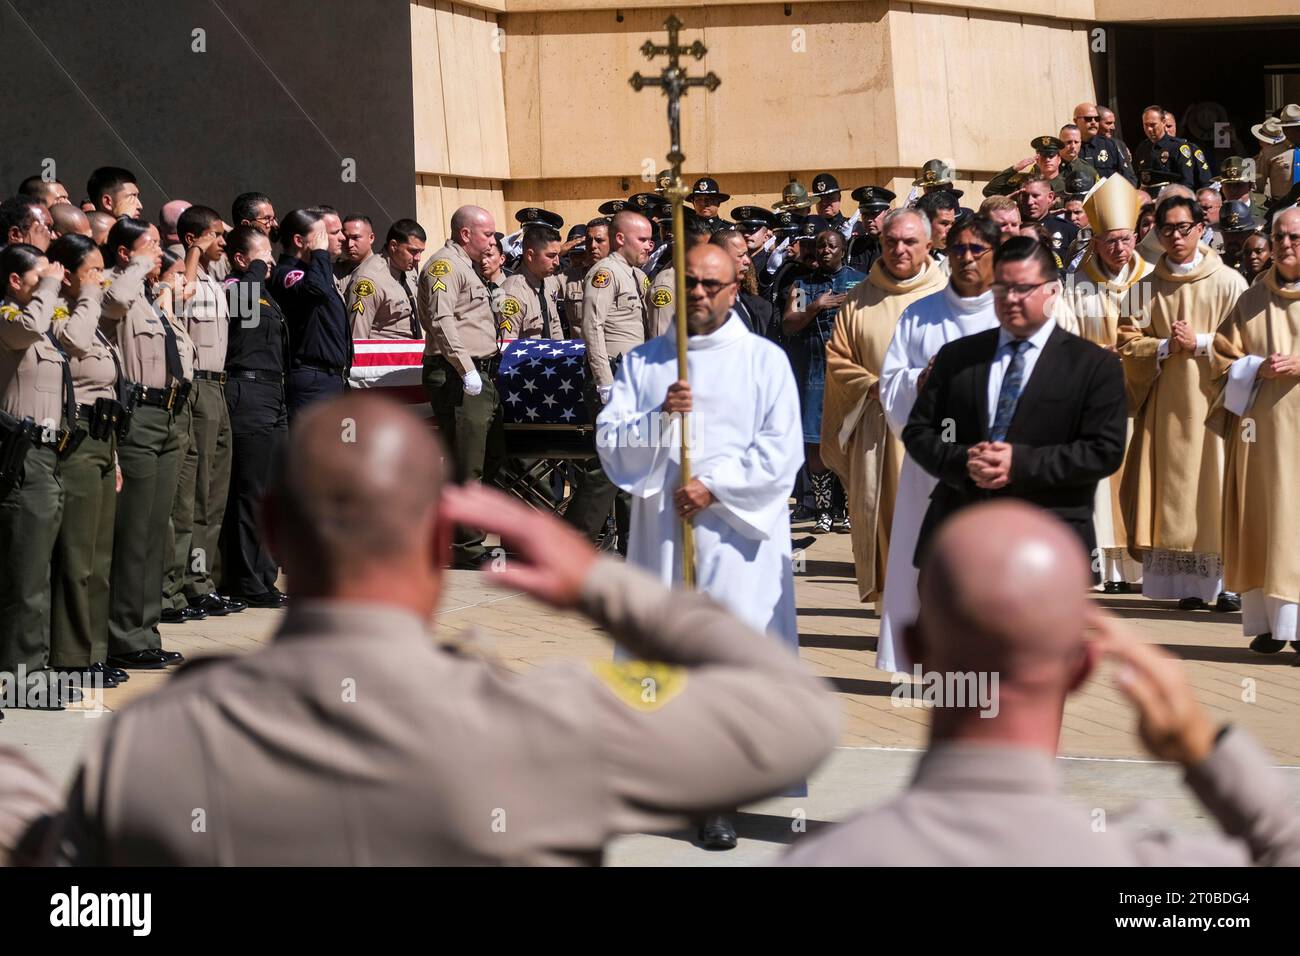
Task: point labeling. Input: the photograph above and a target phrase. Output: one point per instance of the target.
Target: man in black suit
(753, 309)
(1025, 411)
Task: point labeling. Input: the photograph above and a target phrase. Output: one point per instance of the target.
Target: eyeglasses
(1182, 228)
(270, 218)
(711, 286)
(1284, 237)
(1020, 290)
(973, 248)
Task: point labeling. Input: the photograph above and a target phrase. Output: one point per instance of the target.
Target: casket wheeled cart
(542, 383)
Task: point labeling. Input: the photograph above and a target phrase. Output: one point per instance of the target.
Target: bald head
(474, 229)
(168, 216)
(1003, 590)
(353, 508)
(709, 302)
(631, 237)
(69, 220)
(1175, 189)
(100, 223)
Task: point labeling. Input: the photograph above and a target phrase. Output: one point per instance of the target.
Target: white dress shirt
(1002, 361)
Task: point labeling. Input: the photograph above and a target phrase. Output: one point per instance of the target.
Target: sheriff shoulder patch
(661, 298)
(600, 279)
(60, 312)
(365, 287)
(440, 267)
(1186, 151)
(510, 306)
(642, 685)
(10, 312)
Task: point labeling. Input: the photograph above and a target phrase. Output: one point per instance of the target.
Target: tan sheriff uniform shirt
(661, 306)
(31, 368)
(613, 313)
(454, 309)
(128, 318)
(207, 320)
(519, 312)
(573, 280)
(76, 326)
(378, 305)
(319, 751)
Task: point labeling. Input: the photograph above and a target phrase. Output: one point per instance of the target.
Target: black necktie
(546, 314)
(69, 397)
(174, 367)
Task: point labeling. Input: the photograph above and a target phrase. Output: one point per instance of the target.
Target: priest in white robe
(963, 308)
(747, 447)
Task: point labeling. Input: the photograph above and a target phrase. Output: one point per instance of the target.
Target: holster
(14, 446)
(183, 389)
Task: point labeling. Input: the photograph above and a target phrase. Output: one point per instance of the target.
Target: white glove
(473, 382)
(604, 391)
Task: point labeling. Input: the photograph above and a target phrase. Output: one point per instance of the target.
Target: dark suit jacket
(756, 312)
(1068, 431)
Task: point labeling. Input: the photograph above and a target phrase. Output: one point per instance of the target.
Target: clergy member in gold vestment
(856, 441)
(1258, 348)
(1112, 281)
(1172, 490)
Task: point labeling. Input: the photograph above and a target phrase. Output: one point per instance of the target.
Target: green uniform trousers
(30, 511)
(180, 523)
(149, 460)
(471, 427)
(83, 556)
(212, 447)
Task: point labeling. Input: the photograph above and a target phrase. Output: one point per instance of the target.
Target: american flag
(541, 380)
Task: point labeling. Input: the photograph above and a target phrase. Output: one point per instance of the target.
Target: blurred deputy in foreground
(356, 739)
(1003, 593)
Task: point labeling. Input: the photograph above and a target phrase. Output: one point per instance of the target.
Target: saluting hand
(1171, 722)
(52, 270)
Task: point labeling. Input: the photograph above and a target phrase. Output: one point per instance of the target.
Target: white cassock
(747, 448)
(924, 327)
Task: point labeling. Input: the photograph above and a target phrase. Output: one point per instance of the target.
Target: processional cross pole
(675, 84)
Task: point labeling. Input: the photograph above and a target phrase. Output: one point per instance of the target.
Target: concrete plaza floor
(1103, 762)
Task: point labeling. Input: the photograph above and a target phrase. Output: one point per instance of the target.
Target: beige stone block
(427, 96)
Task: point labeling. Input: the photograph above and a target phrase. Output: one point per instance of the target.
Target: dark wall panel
(285, 92)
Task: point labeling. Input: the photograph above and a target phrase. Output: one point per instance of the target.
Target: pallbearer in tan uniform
(461, 357)
(33, 399)
(83, 553)
(525, 305)
(544, 767)
(613, 322)
(379, 296)
(596, 247)
(207, 318)
(147, 456)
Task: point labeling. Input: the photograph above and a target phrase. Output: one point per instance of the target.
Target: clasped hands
(1181, 338)
(694, 497)
(989, 464)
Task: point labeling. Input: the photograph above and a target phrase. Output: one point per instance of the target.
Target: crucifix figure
(675, 84)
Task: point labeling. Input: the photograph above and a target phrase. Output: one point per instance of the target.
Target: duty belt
(157, 397)
(218, 377)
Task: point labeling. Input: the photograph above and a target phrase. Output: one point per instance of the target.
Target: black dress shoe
(116, 673)
(717, 833)
(170, 658)
(1227, 603)
(87, 676)
(272, 599)
(211, 604)
(1113, 587)
(1264, 644)
(1192, 604)
(145, 660)
(235, 604)
(176, 615)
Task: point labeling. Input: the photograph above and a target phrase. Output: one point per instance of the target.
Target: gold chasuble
(1172, 490)
(1261, 507)
(856, 441)
(1091, 306)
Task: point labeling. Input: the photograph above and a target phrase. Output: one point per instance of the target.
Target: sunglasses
(711, 286)
(962, 248)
